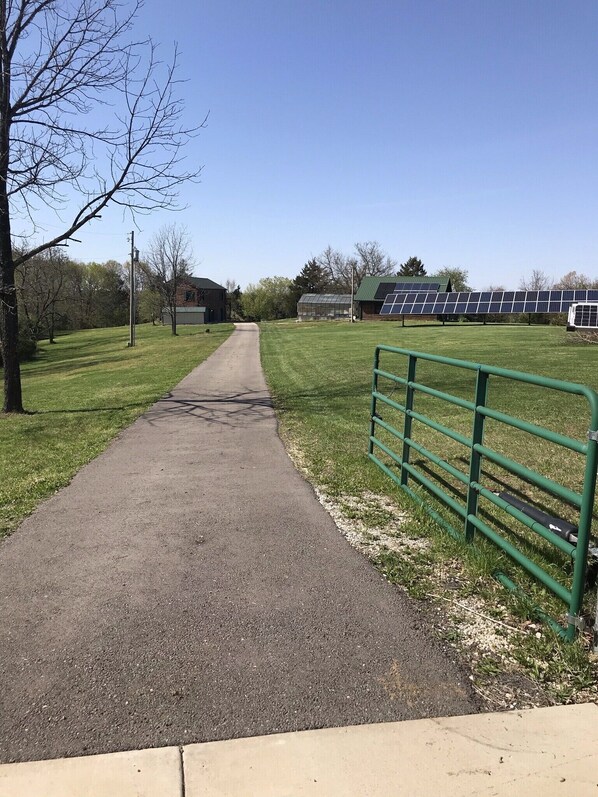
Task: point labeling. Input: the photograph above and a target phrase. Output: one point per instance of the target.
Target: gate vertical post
(475, 460)
(373, 404)
(583, 533)
(408, 407)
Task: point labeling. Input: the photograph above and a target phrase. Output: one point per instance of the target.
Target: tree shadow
(74, 364)
(226, 409)
(66, 411)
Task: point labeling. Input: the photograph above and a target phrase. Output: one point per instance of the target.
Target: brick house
(199, 300)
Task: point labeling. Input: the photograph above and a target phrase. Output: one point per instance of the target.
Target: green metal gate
(402, 470)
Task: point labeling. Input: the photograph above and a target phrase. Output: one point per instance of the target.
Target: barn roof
(369, 285)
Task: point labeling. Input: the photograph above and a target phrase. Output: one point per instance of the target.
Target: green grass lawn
(320, 376)
(79, 393)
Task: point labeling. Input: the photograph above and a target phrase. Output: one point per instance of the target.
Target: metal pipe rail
(468, 511)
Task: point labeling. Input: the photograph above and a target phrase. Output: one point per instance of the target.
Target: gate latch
(577, 621)
(593, 435)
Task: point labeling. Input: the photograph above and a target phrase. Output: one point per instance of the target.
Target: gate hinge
(577, 621)
(593, 435)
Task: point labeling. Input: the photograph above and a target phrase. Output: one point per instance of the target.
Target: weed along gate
(483, 454)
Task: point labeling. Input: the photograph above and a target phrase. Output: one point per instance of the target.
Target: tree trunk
(9, 318)
(9, 332)
(173, 307)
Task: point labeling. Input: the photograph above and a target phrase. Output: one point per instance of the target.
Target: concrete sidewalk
(187, 586)
(552, 752)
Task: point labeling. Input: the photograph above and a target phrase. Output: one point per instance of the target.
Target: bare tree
(234, 308)
(538, 281)
(41, 283)
(373, 261)
(167, 262)
(62, 62)
(574, 281)
(369, 260)
(333, 264)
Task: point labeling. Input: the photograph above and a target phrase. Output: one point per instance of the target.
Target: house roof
(202, 282)
(369, 285)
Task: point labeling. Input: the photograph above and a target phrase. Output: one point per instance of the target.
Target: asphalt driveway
(187, 586)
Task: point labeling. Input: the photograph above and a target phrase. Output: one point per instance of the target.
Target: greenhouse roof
(325, 298)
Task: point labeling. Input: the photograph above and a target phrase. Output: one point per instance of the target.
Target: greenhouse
(323, 306)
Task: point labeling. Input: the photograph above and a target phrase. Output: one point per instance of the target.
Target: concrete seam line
(182, 769)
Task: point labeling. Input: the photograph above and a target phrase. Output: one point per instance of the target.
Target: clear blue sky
(463, 132)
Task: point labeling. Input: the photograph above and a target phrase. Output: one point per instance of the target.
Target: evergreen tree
(412, 268)
(313, 278)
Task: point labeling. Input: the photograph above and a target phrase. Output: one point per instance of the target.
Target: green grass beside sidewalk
(79, 393)
(320, 376)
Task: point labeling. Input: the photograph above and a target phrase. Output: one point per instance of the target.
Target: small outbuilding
(372, 292)
(323, 306)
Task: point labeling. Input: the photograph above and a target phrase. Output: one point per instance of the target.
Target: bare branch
(85, 109)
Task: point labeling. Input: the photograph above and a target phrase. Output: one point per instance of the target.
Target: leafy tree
(167, 262)
(457, 276)
(413, 267)
(270, 299)
(59, 63)
(109, 296)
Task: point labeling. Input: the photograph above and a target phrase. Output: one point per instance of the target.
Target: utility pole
(134, 259)
(352, 290)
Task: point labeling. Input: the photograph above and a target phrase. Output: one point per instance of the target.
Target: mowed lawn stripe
(320, 375)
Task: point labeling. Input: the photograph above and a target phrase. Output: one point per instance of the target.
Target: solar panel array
(384, 289)
(586, 315)
(395, 287)
(455, 303)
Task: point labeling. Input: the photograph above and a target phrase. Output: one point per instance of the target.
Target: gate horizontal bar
(538, 431)
(480, 451)
(530, 475)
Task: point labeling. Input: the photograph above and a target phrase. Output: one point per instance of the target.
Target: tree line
(332, 271)
(56, 293)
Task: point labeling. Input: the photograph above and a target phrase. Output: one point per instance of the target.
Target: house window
(201, 296)
(189, 296)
